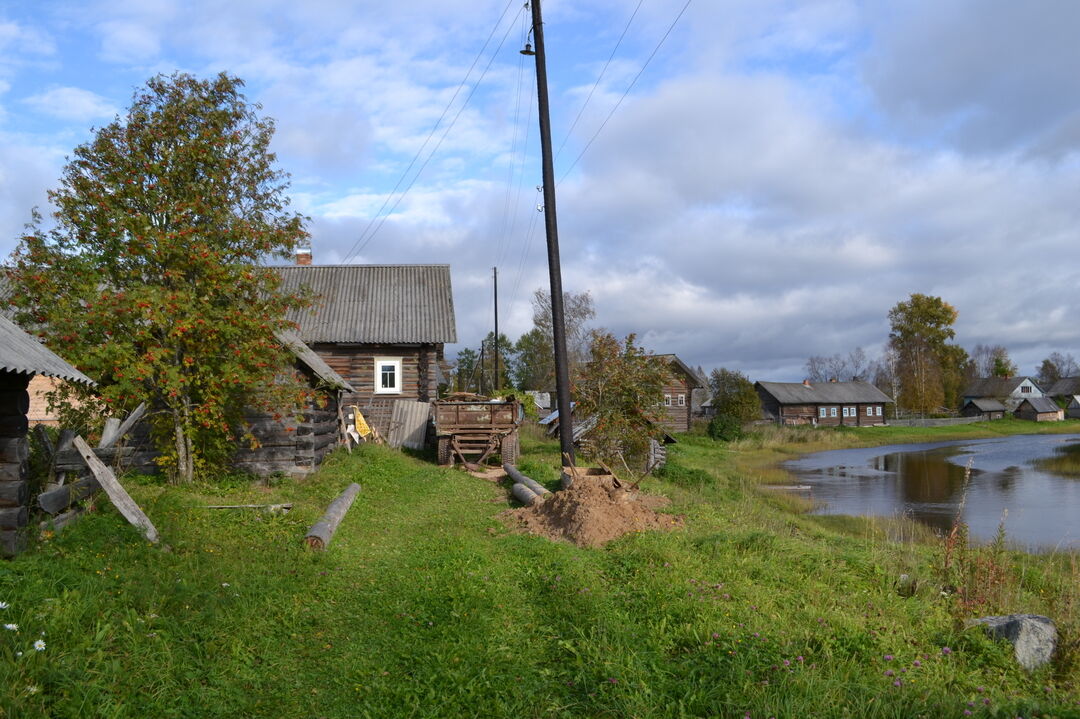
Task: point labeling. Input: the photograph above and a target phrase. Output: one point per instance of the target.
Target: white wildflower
(224, 584)
(39, 645)
(32, 689)
(11, 627)
(4, 605)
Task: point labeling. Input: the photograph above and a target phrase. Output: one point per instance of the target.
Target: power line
(364, 237)
(598, 79)
(435, 149)
(627, 91)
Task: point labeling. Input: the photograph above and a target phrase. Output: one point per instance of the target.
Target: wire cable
(626, 92)
(364, 234)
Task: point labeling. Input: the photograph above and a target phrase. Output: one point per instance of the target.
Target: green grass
(426, 605)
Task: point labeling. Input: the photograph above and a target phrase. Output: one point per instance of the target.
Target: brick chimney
(806, 382)
(303, 256)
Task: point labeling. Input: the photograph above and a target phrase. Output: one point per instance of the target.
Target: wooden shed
(1073, 410)
(983, 407)
(21, 357)
(295, 443)
(1039, 409)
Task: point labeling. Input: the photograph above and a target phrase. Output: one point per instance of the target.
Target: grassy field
(426, 604)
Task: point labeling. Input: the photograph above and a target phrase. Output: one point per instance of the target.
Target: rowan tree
(151, 279)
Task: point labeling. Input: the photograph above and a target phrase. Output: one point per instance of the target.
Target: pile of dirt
(593, 512)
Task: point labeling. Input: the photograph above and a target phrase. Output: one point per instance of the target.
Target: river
(1035, 478)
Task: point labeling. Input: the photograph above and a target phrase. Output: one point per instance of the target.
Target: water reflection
(1035, 477)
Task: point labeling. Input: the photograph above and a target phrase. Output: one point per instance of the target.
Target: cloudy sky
(764, 188)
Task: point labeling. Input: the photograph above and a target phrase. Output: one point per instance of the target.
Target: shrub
(725, 428)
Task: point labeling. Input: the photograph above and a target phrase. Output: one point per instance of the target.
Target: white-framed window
(845, 411)
(832, 411)
(877, 410)
(682, 400)
(869, 411)
(1025, 389)
(667, 400)
(387, 375)
(822, 411)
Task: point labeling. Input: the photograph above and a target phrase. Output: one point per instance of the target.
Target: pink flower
(888, 657)
(946, 651)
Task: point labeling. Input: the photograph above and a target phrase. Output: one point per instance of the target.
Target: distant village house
(827, 404)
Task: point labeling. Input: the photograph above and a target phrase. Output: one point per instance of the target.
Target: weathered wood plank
(265, 454)
(14, 449)
(13, 471)
(60, 521)
(109, 432)
(108, 439)
(320, 534)
(14, 494)
(70, 460)
(12, 542)
(57, 500)
(316, 442)
(14, 517)
(119, 497)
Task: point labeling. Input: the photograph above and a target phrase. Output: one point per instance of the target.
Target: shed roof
(986, 404)
(1040, 404)
(20, 352)
(994, 386)
(314, 362)
(400, 304)
(823, 392)
(1065, 386)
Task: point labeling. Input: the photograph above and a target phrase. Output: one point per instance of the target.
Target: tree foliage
(1057, 366)
(734, 396)
(150, 279)
(926, 365)
(534, 366)
(621, 388)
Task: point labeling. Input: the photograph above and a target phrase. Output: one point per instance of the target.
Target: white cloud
(72, 103)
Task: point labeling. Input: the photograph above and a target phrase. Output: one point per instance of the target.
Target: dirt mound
(592, 513)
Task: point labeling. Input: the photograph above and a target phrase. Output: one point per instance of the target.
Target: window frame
(379, 363)
(667, 400)
(833, 412)
(681, 400)
(823, 412)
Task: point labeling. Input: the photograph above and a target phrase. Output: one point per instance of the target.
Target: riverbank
(427, 604)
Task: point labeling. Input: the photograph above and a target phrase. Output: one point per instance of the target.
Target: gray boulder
(1033, 637)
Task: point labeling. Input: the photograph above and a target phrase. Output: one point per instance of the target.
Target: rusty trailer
(470, 428)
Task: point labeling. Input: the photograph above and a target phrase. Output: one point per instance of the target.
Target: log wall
(356, 363)
(294, 444)
(14, 453)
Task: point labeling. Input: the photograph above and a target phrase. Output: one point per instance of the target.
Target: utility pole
(495, 278)
(558, 327)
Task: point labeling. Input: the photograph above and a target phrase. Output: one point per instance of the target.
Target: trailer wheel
(509, 449)
(446, 457)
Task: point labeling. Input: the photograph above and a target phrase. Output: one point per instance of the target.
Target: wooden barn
(295, 443)
(856, 404)
(1039, 409)
(1064, 388)
(1073, 410)
(678, 394)
(382, 328)
(21, 358)
(985, 408)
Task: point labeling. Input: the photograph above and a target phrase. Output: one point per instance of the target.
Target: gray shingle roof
(823, 392)
(19, 352)
(1041, 404)
(994, 386)
(374, 303)
(987, 404)
(313, 361)
(1065, 386)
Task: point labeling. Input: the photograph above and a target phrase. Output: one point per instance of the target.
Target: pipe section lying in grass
(320, 534)
(525, 495)
(520, 478)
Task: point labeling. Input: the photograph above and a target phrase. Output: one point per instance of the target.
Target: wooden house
(1072, 411)
(1064, 389)
(1010, 391)
(678, 394)
(1039, 409)
(21, 358)
(985, 408)
(382, 328)
(857, 404)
